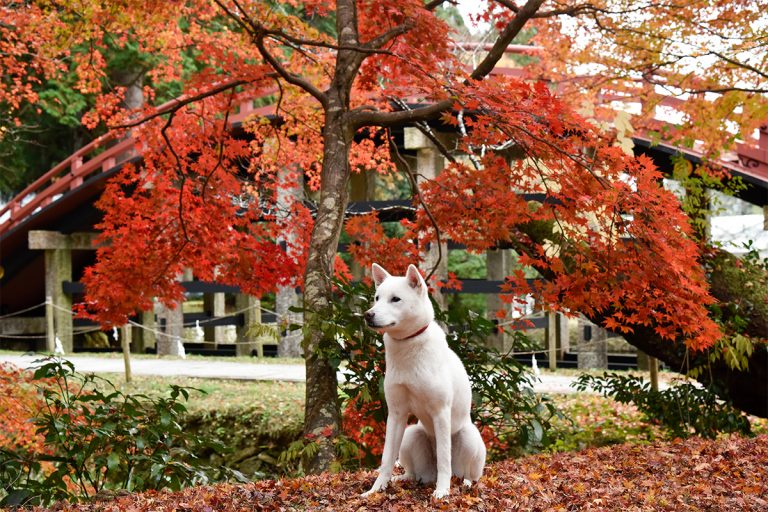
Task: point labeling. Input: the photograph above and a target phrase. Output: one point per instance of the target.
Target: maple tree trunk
(322, 414)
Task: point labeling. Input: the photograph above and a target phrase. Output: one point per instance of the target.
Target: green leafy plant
(511, 417)
(684, 409)
(100, 441)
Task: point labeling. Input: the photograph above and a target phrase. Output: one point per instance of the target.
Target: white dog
(424, 377)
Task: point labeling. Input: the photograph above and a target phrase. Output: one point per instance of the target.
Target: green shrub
(100, 441)
(511, 417)
(684, 409)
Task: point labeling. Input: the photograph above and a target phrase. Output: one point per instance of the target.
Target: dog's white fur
(424, 377)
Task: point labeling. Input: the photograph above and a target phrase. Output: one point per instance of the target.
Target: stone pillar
(429, 163)
(765, 218)
(363, 188)
(593, 353)
(289, 191)
(497, 263)
(173, 334)
(146, 337)
(214, 304)
(168, 342)
(58, 268)
(246, 341)
(643, 361)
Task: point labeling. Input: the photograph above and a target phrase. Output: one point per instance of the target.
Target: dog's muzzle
(369, 316)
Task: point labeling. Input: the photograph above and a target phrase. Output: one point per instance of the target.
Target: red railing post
(77, 162)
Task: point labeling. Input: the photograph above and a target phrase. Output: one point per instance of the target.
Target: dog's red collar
(414, 334)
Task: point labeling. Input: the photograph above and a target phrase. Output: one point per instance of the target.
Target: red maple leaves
(606, 237)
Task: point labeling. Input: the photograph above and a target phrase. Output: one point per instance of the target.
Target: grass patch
(277, 399)
(190, 357)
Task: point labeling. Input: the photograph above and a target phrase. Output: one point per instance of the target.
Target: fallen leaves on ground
(695, 474)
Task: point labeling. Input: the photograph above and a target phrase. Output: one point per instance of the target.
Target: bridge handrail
(71, 172)
(67, 175)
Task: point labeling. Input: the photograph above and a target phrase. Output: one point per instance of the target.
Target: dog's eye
(394, 299)
(376, 298)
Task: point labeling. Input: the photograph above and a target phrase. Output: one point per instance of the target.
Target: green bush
(101, 441)
(512, 418)
(684, 409)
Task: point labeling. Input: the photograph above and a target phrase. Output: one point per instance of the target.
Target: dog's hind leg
(417, 455)
(468, 454)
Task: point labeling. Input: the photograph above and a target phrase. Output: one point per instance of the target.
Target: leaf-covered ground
(730, 474)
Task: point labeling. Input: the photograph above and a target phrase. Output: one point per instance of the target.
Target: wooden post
(50, 338)
(125, 342)
(552, 339)
(653, 365)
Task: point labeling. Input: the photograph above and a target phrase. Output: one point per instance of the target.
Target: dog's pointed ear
(415, 280)
(379, 274)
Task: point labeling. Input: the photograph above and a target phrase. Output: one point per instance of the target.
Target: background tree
(205, 196)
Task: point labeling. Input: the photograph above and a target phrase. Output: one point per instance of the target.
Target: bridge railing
(98, 156)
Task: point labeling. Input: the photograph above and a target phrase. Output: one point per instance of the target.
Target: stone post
(247, 342)
(497, 263)
(429, 163)
(593, 353)
(289, 191)
(214, 304)
(173, 334)
(58, 268)
(146, 337)
(168, 342)
(562, 335)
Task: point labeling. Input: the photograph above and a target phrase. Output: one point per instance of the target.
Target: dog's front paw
(441, 493)
(378, 485)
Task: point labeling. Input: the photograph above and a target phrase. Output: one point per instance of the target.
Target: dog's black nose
(369, 316)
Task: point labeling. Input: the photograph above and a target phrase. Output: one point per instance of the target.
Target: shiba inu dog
(424, 377)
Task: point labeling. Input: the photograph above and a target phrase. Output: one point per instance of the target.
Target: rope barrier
(21, 311)
(188, 325)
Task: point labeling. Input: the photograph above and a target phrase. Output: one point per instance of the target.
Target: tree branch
(505, 38)
(362, 118)
(434, 4)
(177, 103)
(379, 41)
(258, 33)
